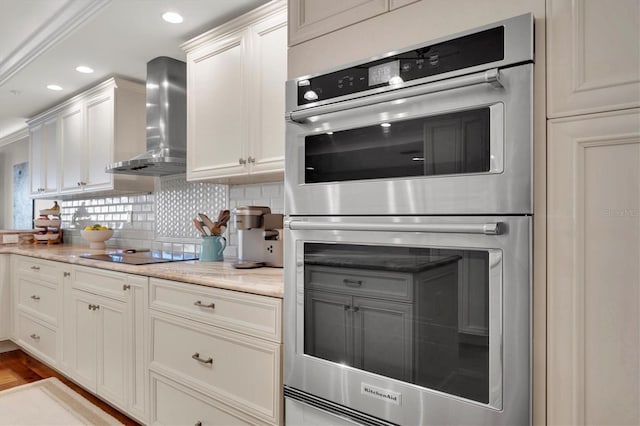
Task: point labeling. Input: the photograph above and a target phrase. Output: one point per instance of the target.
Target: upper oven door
(456, 146)
(414, 320)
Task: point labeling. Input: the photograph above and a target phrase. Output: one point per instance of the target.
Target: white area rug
(49, 402)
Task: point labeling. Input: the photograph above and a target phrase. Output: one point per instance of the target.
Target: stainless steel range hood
(166, 122)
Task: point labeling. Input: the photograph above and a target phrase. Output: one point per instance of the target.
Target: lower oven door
(410, 320)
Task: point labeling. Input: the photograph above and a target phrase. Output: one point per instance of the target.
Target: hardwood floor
(18, 368)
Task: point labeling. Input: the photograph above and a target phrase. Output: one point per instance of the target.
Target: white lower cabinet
(37, 305)
(218, 364)
(104, 336)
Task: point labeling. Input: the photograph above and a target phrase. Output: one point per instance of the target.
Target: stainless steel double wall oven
(408, 240)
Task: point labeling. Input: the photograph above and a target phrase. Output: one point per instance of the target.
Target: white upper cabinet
(312, 18)
(71, 143)
(235, 98)
(43, 156)
(216, 108)
(266, 97)
(100, 140)
(593, 60)
(93, 129)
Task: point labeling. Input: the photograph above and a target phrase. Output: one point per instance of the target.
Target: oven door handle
(447, 228)
(491, 77)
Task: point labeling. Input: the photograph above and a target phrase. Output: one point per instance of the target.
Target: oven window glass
(448, 144)
(419, 315)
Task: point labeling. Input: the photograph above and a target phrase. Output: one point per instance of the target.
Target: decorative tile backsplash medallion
(163, 220)
(178, 202)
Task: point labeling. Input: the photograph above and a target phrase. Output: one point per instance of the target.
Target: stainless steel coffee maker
(260, 238)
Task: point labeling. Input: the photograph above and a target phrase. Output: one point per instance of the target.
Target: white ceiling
(42, 42)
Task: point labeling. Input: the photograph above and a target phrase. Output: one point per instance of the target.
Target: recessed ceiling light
(54, 87)
(172, 17)
(84, 69)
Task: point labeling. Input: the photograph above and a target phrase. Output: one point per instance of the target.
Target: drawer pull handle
(352, 283)
(34, 297)
(35, 336)
(196, 356)
(67, 274)
(126, 287)
(198, 423)
(201, 305)
(35, 268)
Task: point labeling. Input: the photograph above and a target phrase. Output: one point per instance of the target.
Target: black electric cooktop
(142, 258)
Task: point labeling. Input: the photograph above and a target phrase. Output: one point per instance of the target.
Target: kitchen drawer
(251, 314)
(36, 337)
(380, 284)
(41, 299)
(241, 371)
(174, 404)
(40, 269)
(98, 281)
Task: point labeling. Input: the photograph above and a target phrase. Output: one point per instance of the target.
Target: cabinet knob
(77, 183)
(196, 356)
(35, 268)
(242, 161)
(67, 274)
(126, 287)
(198, 423)
(251, 160)
(35, 336)
(35, 297)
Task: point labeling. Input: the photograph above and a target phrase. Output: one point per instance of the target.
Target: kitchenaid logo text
(383, 394)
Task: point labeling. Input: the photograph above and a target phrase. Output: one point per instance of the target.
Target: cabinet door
(99, 142)
(593, 59)
(81, 344)
(216, 109)
(328, 326)
(593, 270)
(72, 147)
(312, 18)
(266, 100)
(36, 158)
(137, 336)
(112, 349)
(44, 157)
(383, 337)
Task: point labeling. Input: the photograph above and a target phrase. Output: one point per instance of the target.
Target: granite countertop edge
(261, 281)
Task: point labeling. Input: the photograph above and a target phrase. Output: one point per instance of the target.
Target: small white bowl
(97, 238)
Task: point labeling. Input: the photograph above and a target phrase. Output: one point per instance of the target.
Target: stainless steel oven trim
(518, 36)
(476, 193)
(510, 261)
(491, 77)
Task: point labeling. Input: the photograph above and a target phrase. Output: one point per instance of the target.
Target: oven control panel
(463, 52)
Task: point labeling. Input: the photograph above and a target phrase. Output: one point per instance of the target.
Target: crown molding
(65, 21)
(14, 137)
(242, 21)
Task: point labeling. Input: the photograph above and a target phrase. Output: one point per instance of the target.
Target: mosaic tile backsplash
(163, 220)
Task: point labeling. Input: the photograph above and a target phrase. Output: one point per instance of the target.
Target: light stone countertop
(263, 281)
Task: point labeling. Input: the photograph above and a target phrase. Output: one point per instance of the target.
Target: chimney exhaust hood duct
(166, 122)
